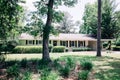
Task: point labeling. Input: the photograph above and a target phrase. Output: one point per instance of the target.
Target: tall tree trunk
(99, 30)
(46, 32)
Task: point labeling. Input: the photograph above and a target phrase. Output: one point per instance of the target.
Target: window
(36, 42)
(30, 41)
(54, 43)
(80, 43)
(64, 43)
(26, 42)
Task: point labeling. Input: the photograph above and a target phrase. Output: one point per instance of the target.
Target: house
(68, 40)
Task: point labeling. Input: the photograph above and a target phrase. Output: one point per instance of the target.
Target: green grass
(105, 68)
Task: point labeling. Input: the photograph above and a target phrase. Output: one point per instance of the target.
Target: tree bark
(99, 30)
(46, 32)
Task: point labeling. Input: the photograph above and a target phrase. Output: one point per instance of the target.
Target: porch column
(68, 43)
(86, 43)
(77, 43)
(58, 43)
(51, 42)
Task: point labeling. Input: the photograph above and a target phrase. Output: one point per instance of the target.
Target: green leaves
(109, 27)
(9, 16)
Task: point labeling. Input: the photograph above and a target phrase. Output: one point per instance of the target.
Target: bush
(83, 75)
(49, 76)
(13, 71)
(86, 65)
(116, 48)
(8, 46)
(64, 71)
(70, 62)
(23, 63)
(28, 49)
(105, 44)
(27, 76)
(81, 49)
(118, 43)
(58, 49)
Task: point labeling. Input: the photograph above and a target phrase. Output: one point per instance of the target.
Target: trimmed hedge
(27, 49)
(81, 49)
(105, 44)
(58, 49)
(118, 44)
(116, 48)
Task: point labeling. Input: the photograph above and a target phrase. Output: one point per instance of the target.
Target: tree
(47, 9)
(90, 19)
(10, 12)
(99, 30)
(66, 25)
(9, 17)
(108, 26)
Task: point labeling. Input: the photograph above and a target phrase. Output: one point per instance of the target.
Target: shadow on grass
(110, 74)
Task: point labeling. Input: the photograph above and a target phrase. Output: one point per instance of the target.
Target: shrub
(86, 65)
(83, 75)
(64, 71)
(8, 46)
(49, 76)
(23, 63)
(13, 71)
(118, 43)
(105, 44)
(81, 49)
(58, 49)
(11, 63)
(116, 48)
(70, 62)
(57, 64)
(27, 76)
(28, 49)
(66, 50)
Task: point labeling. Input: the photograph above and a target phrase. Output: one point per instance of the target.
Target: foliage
(49, 76)
(13, 71)
(23, 63)
(83, 75)
(70, 62)
(117, 43)
(8, 46)
(105, 44)
(10, 12)
(86, 65)
(81, 49)
(27, 76)
(46, 9)
(58, 49)
(116, 48)
(28, 49)
(66, 25)
(109, 26)
(64, 70)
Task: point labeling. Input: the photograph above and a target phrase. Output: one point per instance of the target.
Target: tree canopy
(47, 10)
(109, 26)
(10, 11)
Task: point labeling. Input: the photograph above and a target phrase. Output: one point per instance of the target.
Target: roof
(62, 36)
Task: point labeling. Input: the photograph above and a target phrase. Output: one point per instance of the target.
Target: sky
(76, 12)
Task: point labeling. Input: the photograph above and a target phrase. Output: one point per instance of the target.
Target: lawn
(104, 68)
